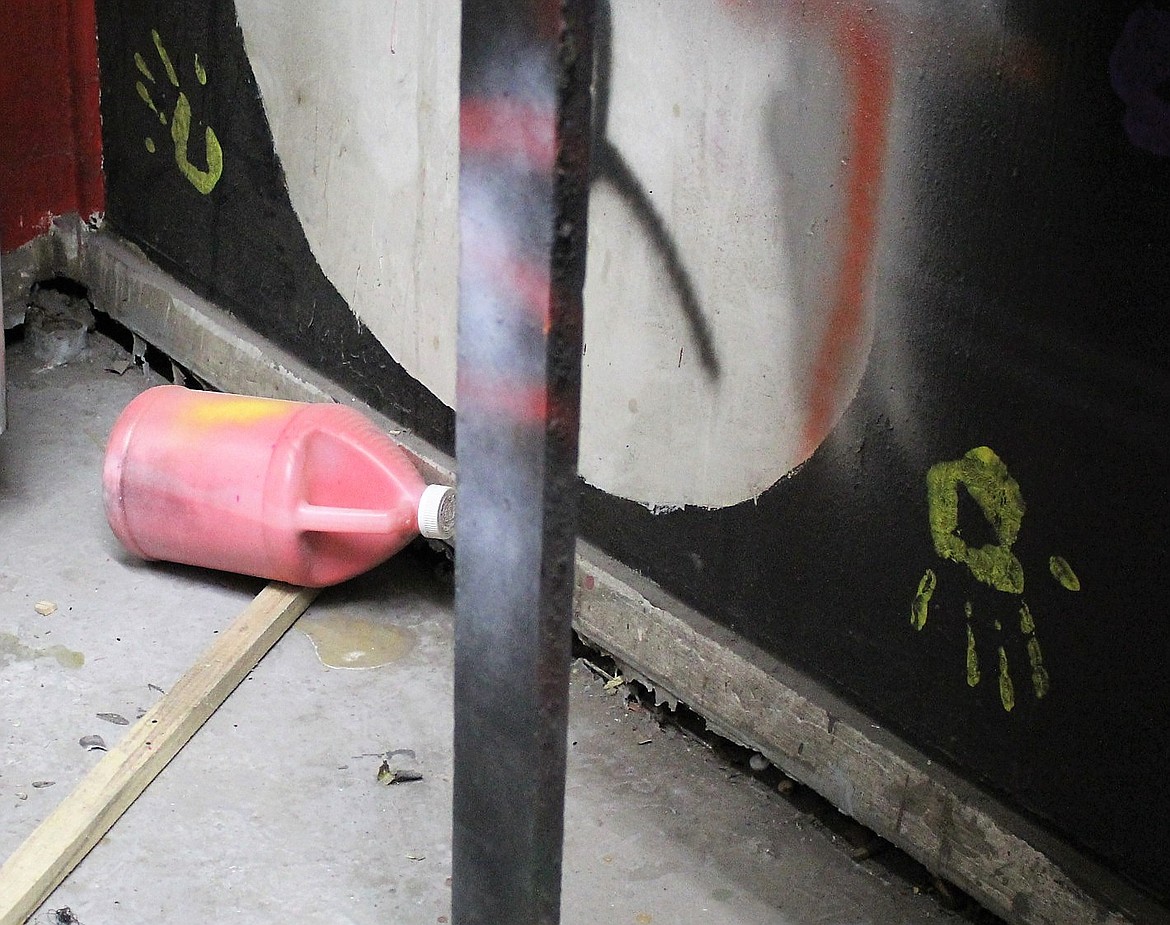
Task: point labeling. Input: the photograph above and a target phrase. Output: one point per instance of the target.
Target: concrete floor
(273, 811)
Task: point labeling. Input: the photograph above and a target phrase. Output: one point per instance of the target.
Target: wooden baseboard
(1010, 865)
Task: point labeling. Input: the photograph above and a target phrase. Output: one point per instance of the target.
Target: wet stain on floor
(13, 650)
(355, 641)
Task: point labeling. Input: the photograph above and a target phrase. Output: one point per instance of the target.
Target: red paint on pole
(50, 129)
(526, 281)
(521, 402)
(516, 131)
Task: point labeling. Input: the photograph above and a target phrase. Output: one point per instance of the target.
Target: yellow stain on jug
(234, 409)
(985, 478)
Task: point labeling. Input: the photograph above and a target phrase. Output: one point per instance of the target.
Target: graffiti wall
(871, 372)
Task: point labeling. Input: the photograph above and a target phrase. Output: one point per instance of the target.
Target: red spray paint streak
(87, 124)
(859, 36)
(50, 129)
(864, 49)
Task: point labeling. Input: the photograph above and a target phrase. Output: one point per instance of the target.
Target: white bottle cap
(436, 512)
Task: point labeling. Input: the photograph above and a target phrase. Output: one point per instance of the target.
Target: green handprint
(986, 479)
(180, 120)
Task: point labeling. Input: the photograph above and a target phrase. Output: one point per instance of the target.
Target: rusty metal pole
(524, 167)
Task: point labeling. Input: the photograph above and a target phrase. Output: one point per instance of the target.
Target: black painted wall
(1018, 307)
(237, 240)
(1023, 315)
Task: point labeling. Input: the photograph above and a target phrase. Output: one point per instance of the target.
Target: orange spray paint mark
(521, 402)
(864, 50)
(860, 38)
(525, 404)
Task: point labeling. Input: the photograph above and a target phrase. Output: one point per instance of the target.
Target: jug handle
(321, 519)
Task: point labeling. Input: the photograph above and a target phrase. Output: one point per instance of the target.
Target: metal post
(524, 167)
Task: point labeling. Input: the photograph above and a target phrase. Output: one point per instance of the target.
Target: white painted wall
(735, 131)
(362, 97)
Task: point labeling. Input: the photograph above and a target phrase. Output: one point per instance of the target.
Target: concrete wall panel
(739, 155)
(921, 250)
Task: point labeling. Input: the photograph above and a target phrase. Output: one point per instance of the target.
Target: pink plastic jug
(309, 494)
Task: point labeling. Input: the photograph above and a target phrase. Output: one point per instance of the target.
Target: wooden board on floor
(78, 823)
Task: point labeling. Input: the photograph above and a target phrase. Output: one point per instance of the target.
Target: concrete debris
(388, 775)
(57, 326)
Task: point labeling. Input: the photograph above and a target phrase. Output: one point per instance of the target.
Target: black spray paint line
(610, 166)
